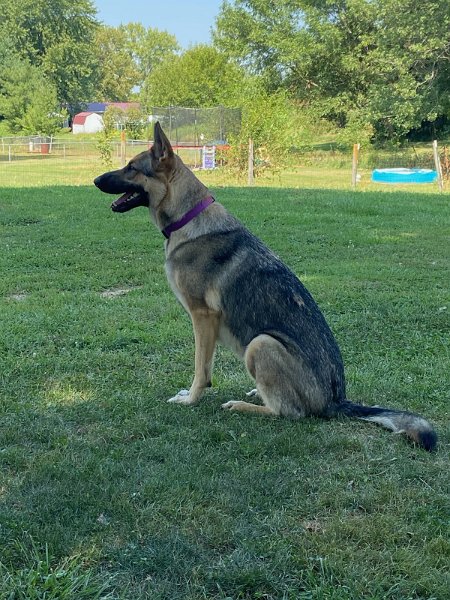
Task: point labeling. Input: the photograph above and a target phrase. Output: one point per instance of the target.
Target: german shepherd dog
(237, 292)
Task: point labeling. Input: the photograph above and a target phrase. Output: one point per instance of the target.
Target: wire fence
(37, 161)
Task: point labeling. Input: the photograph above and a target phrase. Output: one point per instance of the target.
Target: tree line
(368, 69)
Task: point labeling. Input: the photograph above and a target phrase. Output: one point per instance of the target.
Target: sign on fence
(209, 157)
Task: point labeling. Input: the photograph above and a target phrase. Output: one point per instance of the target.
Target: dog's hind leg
(283, 382)
(206, 328)
(241, 406)
(262, 358)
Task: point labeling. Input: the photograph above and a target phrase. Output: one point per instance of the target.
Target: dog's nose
(97, 181)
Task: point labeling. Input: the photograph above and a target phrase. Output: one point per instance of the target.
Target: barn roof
(124, 105)
(100, 107)
(81, 117)
(96, 106)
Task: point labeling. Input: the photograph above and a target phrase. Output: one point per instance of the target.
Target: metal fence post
(356, 148)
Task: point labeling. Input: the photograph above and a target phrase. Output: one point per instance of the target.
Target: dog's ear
(162, 149)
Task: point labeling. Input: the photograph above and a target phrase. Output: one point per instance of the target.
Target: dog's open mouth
(128, 201)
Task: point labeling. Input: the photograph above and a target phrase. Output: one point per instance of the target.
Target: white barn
(87, 122)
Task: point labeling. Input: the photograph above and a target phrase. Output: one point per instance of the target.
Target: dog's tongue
(126, 202)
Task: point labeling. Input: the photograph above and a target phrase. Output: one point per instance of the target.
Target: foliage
(375, 69)
(357, 129)
(106, 136)
(135, 123)
(104, 147)
(200, 77)
(83, 59)
(4, 128)
(28, 100)
(37, 119)
(148, 47)
(118, 74)
(382, 64)
(274, 122)
(126, 55)
(414, 75)
(57, 36)
(132, 121)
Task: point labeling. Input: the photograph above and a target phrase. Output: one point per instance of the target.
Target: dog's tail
(416, 428)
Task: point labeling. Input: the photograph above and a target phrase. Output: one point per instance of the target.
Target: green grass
(107, 489)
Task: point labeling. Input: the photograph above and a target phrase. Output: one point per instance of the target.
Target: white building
(87, 122)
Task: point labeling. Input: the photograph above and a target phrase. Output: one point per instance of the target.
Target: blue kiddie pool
(404, 175)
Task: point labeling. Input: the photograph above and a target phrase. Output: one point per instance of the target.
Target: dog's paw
(253, 392)
(232, 404)
(181, 398)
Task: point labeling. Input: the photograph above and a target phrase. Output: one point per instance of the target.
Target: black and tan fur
(239, 293)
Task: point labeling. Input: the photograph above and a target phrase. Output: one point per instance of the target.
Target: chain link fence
(198, 126)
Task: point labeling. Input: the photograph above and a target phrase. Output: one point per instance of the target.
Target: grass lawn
(107, 491)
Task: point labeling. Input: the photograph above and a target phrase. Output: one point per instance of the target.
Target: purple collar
(191, 214)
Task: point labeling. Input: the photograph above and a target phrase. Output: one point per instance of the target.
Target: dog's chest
(171, 274)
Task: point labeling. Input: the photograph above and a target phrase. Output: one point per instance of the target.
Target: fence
(45, 161)
(35, 161)
(198, 126)
(36, 148)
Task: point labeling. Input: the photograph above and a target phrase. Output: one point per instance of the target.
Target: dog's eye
(131, 168)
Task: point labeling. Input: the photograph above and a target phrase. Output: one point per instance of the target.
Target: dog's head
(144, 180)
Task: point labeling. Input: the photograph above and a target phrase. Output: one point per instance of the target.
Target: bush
(105, 137)
(277, 126)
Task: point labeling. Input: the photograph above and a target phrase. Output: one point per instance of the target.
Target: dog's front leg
(206, 329)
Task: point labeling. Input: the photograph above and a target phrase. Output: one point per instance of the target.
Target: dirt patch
(313, 526)
(18, 297)
(113, 292)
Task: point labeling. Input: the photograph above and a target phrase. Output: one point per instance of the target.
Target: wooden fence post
(437, 164)
(356, 148)
(446, 172)
(250, 162)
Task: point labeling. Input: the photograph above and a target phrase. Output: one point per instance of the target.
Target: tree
(126, 55)
(414, 55)
(377, 63)
(28, 100)
(118, 73)
(131, 120)
(42, 116)
(57, 36)
(148, 47)
(273, 121)
(200, 77)
(135, 123)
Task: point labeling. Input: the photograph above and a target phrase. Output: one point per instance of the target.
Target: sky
(190, 22)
